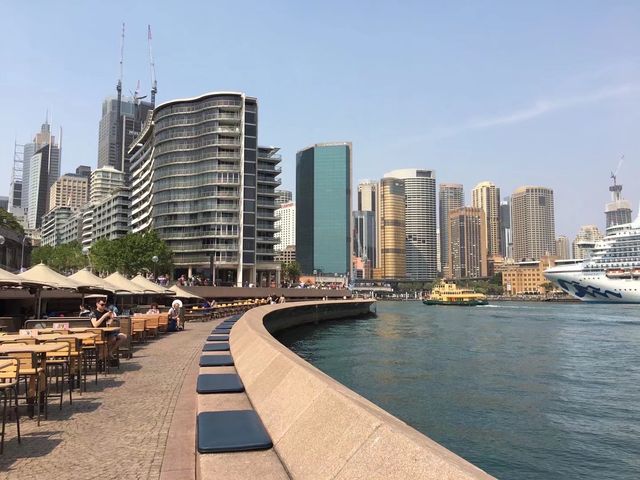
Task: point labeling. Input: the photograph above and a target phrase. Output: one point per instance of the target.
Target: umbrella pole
(38, 303)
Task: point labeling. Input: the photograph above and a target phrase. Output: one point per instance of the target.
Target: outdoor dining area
(49, 358)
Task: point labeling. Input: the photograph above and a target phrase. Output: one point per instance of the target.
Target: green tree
(132, 254)
(291, 271)
(10, 221)
(62, 258)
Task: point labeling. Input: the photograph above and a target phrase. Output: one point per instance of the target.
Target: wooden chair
(125, 327)
(33, 375)
(77, 363)
(94, 351)
(58, 365)
(9, 387)
(163, 322)
(138, 329)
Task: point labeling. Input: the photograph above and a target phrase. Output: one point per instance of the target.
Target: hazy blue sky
(546, 93)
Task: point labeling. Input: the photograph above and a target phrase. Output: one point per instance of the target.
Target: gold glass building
(391, 230)
(467, 243)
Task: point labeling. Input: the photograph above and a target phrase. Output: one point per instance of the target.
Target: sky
(543, 93)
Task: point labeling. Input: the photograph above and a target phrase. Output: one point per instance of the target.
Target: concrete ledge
(320, 428)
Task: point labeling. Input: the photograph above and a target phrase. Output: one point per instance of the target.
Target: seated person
(84, 311)
(100, 318)
(154, 309)
(175, 322)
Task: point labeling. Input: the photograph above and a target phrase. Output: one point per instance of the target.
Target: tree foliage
(291, 271)
(10, 221)
(129, 255)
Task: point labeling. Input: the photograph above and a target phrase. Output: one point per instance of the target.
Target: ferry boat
(611, 274)
(448, 293)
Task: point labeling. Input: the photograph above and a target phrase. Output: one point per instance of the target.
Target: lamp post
(155, 259)
(4, 251)
(85, 251)
(24, 239)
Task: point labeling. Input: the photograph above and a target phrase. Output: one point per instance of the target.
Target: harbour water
(522, 390)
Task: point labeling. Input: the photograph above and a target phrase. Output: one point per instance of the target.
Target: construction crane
(615, 189)
(135, 93)
(118, 105)
(154, 84)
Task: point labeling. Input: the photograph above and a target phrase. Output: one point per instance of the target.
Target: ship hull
(470, 303)
(594, 288)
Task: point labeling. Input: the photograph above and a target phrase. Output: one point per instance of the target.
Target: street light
(155, 260)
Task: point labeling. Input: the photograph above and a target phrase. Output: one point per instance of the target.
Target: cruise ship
(611, 274)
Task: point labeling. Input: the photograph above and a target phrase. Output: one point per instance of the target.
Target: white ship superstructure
(611, 274)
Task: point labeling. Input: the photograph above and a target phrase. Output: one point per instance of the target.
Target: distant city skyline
(517, 95)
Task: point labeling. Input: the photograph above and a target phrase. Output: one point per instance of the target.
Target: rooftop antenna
(118, 105)
(154, 84)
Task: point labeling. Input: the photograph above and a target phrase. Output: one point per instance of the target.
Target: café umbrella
(149, 285)
(46, 277)
(180, 293)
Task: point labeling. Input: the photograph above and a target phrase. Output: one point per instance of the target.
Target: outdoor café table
(55, 336)
(5, 363)
(13, 336)
(41, 350)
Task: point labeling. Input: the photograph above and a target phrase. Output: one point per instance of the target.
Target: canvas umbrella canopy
(124, 285)
(8, 279)
(90, 282)
(149, 285)
(46, 277)
(183, 293)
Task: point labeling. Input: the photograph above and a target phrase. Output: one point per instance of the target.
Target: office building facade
(467, 243)
(420, 222)
(105, 181)
(323, 208)
(585, 241)
(285, 225)
(506, 243)
(486, 196)
(451, 197)
(284, 196)
(69, 191)
(43, 172)
(391, 244)
(367, 192)
(563, 251)
(364, 239)
(533, 223)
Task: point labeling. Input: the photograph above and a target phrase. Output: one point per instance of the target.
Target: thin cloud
(540, 108)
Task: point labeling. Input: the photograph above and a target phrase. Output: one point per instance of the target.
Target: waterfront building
(71, 228)
(533, 223)
(420, 222)
(467, 243)
(506, 242)
(50, 174)
(367, 192)
(202, 183)
(104, 182)
(562, 248)
(110, 216)
(284, 196)
(69, 190)
(364, 240)
(323, 208)
(585, 241)
(52, 225)
(86, 225)
(133, 114)
(451, 197)
(526, 277)
(486, 196)
(618, 211)
(391, 230)
(285, 225)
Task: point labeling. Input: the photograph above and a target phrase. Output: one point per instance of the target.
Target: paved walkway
(117, 429)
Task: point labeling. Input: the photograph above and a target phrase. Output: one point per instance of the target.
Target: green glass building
(323, 208)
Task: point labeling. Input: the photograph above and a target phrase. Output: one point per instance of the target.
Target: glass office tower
(323, 202)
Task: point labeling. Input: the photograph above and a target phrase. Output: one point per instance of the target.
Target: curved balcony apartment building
(202, 183)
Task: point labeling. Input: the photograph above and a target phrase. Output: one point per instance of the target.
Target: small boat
(618, 273)
(448, 293)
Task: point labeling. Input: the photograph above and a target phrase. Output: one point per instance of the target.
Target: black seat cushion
(216, 347)
(219, 383)
(221, 330)
(218, 338)
(231, 431)
(227, 324)
(216, 360)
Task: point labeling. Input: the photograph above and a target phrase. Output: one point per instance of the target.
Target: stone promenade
(117, 429)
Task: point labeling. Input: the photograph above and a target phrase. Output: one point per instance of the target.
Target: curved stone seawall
(321, 429)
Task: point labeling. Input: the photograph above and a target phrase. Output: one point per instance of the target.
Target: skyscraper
(585, 241)
(200, 180)
(51, 171)
(506, 243)
(133, 115)
(69, 191)
(285, 225)
(391, 242)
(43, 172)
(364, 237)
(104, 182)
(451, 197)
(323, 203)
(533, 223)
(486, 196)
(618, 210)
(420, 197)
(562, 248)
(367, 190)
(467, 243)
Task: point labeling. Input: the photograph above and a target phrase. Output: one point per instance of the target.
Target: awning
(8, 279)
(180, 293)
(149, 285)
(45, 276)
(125, 286)
(90, 282)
